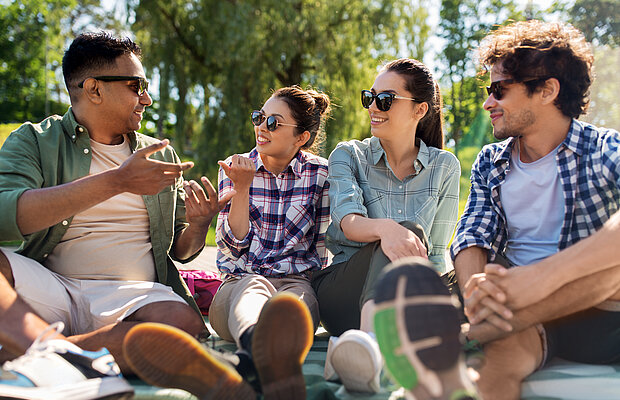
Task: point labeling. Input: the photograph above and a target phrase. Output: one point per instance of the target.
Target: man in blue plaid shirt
(545, 199)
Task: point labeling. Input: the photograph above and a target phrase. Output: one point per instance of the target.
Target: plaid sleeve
(227, 243)
(479, 222)
(611, 157)
(322, 222)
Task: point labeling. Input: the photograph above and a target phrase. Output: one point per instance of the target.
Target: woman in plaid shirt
(392, 195)
(271, 236)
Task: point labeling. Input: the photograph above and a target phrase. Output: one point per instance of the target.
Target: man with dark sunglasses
(102, 211)
(536, 250)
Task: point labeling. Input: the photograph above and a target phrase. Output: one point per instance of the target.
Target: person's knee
(417, 229)
(177, 314)
(513, 358)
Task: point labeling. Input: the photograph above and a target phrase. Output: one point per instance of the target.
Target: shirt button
(86, 151)
(73, 137)
(400, 186)
(400, 211)
(65, 222)
(500, 178)
(80, 129)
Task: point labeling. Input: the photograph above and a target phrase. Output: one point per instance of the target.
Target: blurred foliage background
(211, 62)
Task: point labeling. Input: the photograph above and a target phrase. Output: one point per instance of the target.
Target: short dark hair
(90, 52)
(424, 88)
(530, 49)
(309, 109)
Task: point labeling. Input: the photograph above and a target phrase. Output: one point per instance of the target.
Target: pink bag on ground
(202, 285)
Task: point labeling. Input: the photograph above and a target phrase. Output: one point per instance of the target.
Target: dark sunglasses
(384, 99)
(258, 117)
(497, 88)
(143, 84)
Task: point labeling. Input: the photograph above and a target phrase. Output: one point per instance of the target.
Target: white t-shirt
(110, 240)
(533, 203)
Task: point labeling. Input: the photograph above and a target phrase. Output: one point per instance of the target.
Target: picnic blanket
(559, 380)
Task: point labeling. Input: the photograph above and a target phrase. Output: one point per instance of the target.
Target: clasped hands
(497, 293)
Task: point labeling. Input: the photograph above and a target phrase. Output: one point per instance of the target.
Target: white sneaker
(58, 370)
(355, 358)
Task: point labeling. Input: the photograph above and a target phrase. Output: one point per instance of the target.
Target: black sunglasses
(497, 88)
(384, 99)
(258, 117)
(143, 84)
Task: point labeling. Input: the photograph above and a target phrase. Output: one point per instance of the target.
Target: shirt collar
(74, 130)
(575, 139)
(295, 165)
(376, 151)
(71, 126)
(504, 155)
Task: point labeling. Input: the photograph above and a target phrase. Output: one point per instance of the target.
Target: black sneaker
(165, 356)
(417, 326)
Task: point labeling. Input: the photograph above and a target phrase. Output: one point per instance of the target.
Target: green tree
(599, 20)
(218, 60)
(33, 38)
(463, 23)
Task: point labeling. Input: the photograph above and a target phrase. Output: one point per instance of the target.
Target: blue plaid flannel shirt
(589, 167)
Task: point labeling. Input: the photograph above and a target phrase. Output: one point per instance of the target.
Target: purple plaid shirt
(589, 168)
(289, 215)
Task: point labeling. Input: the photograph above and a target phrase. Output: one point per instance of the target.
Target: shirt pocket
(374, 201)
(298, 220)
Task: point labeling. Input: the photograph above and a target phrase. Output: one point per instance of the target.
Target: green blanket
(560, 380)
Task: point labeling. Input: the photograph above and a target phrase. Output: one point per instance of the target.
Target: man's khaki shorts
(83, 305)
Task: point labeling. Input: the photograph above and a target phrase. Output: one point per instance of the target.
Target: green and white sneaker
(417, 326)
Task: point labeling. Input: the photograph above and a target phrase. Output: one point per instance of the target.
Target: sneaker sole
(282, 338)
(92, 389)
(168, 357)
(417, 325)
(355, 367)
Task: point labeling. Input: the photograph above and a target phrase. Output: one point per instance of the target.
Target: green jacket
(57, 151)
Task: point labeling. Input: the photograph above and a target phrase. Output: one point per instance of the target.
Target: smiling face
(281, 145)
(401, 119)
(122, 106)
(513, 115)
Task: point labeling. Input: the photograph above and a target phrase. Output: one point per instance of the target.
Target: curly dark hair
(530, 49)
(90, 52)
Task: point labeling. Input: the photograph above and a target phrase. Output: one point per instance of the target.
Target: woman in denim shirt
(392, 195)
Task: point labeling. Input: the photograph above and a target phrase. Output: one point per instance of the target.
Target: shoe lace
(38, 348)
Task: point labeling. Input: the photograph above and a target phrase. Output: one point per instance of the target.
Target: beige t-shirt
(110, 240)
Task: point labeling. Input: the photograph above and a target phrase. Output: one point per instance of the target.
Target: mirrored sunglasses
(258, 117)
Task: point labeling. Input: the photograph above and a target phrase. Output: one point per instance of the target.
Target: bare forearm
(362, 229)
(468, 262)
(190, 240)
(38, 209)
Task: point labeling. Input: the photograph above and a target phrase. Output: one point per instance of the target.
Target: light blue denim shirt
(362, 182)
